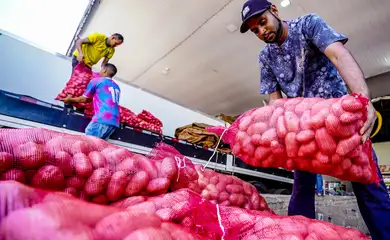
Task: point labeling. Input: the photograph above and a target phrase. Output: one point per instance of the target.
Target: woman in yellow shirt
(95, 47)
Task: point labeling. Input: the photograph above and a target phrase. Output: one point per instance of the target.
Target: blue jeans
(373, 201)
(99, 130)
(319, 184)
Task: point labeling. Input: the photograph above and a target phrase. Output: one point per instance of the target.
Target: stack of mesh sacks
(94, 190)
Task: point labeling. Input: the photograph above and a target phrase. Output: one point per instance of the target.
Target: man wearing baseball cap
(305, 57)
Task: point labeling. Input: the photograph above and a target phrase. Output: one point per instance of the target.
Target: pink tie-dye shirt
(105, 94)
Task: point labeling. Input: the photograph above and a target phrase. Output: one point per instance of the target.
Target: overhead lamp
(231, 28)
(285, 3)
(165, 71)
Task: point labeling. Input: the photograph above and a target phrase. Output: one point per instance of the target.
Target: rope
(220, 222)
(215, 151)
(181, 163)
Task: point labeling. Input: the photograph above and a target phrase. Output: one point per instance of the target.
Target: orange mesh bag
(309, 134)
(58, 216)
(84, 166)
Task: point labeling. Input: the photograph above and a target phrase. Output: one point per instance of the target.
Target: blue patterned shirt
(299, 67)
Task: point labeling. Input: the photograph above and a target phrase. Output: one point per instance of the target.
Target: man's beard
(278, 32)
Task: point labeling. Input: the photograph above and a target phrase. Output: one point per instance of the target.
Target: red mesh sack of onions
(54, 215)
(237, 223)
(76, 86)
(150, 118)
(179, 207)
(228, 190)
(148, 126)
(186, 176)
(309, 134)
(84, 166)
(219, 188)
(214, 221)
(127, 116)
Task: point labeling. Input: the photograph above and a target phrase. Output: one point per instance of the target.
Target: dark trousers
(74, 62)
(373, 202)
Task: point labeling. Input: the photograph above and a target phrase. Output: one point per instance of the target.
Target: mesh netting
(86, 167)
(49, 215)
(94, 170)
(310, 134)
(219, 188)
(76, 86)
(214, 221)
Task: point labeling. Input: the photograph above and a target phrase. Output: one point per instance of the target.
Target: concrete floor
(338, 210)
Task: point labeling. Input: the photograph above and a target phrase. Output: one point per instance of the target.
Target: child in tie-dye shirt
(105, 94)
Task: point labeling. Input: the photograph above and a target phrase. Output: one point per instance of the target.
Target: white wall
(28, 70)
(50, 23)
(383, 152)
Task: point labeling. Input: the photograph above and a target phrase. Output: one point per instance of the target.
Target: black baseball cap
(250, 9)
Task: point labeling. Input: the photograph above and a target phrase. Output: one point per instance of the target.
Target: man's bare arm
(348, 68)
(79, 43)
(105, 61)
(354, 78)
(81, 99)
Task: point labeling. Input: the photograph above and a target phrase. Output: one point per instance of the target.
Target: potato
(323, 230)
(130, 201)
(325, 142)
(97, 159)
(139, 182)
(351, 104)
(80, 147)
(82, 165)
(262, 114)
(119, 225)
(291, 121)
(275, 115)
(14, 174)
(64, 161)
(158, 186)
(117, 185)
(232, 188)
(305, 136)
(5, 161)
(177, 233)
(223, 196)
(345, 146)
(257, 128)
(71, 191)
(100, 199)
(49, 177)
(98, 182)
(168, 168)
(292, 146)
(245, 123)
(148, 233)
(268, 136)
(75, 182)
(146, 165)
(30, 155)
(304, 122)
